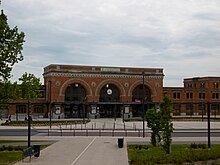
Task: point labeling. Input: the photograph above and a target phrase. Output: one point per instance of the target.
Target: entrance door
(109, 97)
(109, 111)
(75, 95)
(140, 94)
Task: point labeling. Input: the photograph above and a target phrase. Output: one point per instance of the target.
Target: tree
(11, 45)
(161, 125)
(153, 121)
(8, 91)
(166, 123)
(30, 86)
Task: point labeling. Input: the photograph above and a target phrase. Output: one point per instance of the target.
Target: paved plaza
(68, 150)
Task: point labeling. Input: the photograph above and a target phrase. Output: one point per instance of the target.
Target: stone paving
(99, 150)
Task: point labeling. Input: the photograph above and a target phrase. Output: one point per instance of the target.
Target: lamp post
(29, 124)
(50, 102)
(143, 96)
(208, 111)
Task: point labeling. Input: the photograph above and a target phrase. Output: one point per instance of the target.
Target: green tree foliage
(161, 125)
(11, 45)
(166, 123)
(9, 91)
(153, 121)
(30, 86)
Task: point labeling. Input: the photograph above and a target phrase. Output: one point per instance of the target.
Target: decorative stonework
(93, 84)
(110, 76)
(126, 85)
(58, 83)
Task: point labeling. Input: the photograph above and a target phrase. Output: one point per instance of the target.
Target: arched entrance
(75, 97)
(109, 97)
(138, 95)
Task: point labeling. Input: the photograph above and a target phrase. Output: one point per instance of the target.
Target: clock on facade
(109, 91)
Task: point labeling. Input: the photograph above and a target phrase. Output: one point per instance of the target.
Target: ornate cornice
(96, 75)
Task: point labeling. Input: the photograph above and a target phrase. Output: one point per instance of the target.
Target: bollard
(36, 150)
(120, 142)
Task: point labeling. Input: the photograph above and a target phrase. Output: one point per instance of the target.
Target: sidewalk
(119, 124)
(82, 151)
(100, 150)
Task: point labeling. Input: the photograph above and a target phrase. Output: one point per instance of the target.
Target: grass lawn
(10, 157)
(11, 154)
(180, 153)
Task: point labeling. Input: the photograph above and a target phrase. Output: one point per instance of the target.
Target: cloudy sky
(180, 36)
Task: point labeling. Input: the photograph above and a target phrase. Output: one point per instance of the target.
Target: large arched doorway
(75, 97)
(109, 99)
(138, 95)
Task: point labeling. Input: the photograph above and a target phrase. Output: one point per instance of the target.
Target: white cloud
(181, 36)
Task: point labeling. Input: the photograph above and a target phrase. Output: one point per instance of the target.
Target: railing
(92, 132)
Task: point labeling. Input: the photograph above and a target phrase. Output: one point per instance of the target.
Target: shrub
(18, 148)
(10, 148)
(193, 146)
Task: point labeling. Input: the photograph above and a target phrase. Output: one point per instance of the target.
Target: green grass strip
(180, 154)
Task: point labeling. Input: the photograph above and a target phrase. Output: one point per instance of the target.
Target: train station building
(74, 91)
(93, 91)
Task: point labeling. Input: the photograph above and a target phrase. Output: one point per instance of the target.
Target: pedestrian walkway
(69, 150)
(82, 151)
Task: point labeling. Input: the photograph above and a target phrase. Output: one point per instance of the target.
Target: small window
(189, 85)
(20, 108)
(202, 85)
(215, 96)
(176, 95)
(215, 85)
(189, 95)
(38, 109)
(202, 108)
(195, 85)
(201, 95)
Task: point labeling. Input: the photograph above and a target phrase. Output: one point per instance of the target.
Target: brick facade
(61, 83)
(194, 96)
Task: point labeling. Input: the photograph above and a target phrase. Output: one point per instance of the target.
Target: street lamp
(208, 111)
(143, 96)
(50, 102)
(29, 124)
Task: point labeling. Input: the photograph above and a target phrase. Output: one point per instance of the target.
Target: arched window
(75, 93)
(138, 93)
(109, 93)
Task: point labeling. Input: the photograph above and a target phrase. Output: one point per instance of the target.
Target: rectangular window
(202, 85)
(176, 108)
(189, 95)
(202, 108)
(189, 85)
(176, 95)
(189, 109)
(215, 85)
(20, 108)
(38, 109)
(201, 95)
(214, 109)
(215, 96)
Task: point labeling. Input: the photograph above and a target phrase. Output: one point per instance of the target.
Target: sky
(180, 36)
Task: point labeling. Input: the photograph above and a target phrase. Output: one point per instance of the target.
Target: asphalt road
(16, 132)
(120, 133)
